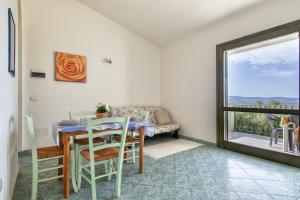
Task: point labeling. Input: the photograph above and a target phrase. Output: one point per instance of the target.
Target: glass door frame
(222, 109)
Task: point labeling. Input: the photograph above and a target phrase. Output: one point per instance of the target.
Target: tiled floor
(205, 172)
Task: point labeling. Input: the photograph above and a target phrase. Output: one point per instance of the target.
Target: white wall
(8, 106)
(188, 67)
(68, 26)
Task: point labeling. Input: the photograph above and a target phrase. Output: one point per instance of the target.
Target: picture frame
(70, 67)
(11, 44)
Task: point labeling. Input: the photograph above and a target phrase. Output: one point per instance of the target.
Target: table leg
(60, 160)
(66, 141)
(141, 149)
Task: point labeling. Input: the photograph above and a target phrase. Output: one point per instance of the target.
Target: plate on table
(67, 122)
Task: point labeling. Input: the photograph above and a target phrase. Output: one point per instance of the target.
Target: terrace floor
(257, 141)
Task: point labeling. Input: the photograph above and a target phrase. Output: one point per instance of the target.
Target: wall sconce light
(107, 60)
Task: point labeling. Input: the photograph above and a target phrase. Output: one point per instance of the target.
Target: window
(265, 74)
(258, 86)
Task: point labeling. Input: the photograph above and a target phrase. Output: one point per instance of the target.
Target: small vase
(102, 115)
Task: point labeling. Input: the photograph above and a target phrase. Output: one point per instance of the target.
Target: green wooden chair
(80, 144)
(43, 154)
(131, 140)
(112, 152)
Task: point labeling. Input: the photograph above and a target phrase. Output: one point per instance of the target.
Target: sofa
(171, 128)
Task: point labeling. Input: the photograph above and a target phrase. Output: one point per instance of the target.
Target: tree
(259, 104)
(274, 104)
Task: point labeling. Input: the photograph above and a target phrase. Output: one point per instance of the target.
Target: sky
(271, 71)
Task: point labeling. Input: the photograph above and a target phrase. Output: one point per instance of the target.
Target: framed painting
(11, 44)
(70, 67)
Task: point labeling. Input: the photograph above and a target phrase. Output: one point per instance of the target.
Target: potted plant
(102, 110)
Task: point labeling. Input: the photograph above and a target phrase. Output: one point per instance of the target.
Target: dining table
(62, 135)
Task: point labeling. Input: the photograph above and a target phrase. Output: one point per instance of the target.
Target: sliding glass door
(258, 94)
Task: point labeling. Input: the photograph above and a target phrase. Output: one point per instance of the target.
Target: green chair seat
(102, 154)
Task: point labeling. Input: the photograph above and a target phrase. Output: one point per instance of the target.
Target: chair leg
(34, 184)
(93, 182)
(106, 163)
(294, 143)
(118, 180)
(105, 166)
(276, 137)
(73, 174)
(110, 163)
(126, 154)
(77, 155)
(133, 153)
(271, 138)
(79, 171)
(294, 147)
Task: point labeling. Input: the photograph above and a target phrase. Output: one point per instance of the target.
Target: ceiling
(163, 21)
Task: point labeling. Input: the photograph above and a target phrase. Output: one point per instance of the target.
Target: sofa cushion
(162, 117)
(166, 128)
(125, 110)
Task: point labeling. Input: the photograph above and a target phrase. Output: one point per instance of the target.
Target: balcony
(255, 129)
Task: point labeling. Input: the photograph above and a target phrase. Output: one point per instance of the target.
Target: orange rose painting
(70, 67)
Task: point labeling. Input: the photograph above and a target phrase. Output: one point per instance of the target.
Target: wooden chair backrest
(110, 133)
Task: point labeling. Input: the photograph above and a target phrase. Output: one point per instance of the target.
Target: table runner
(82, 126)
